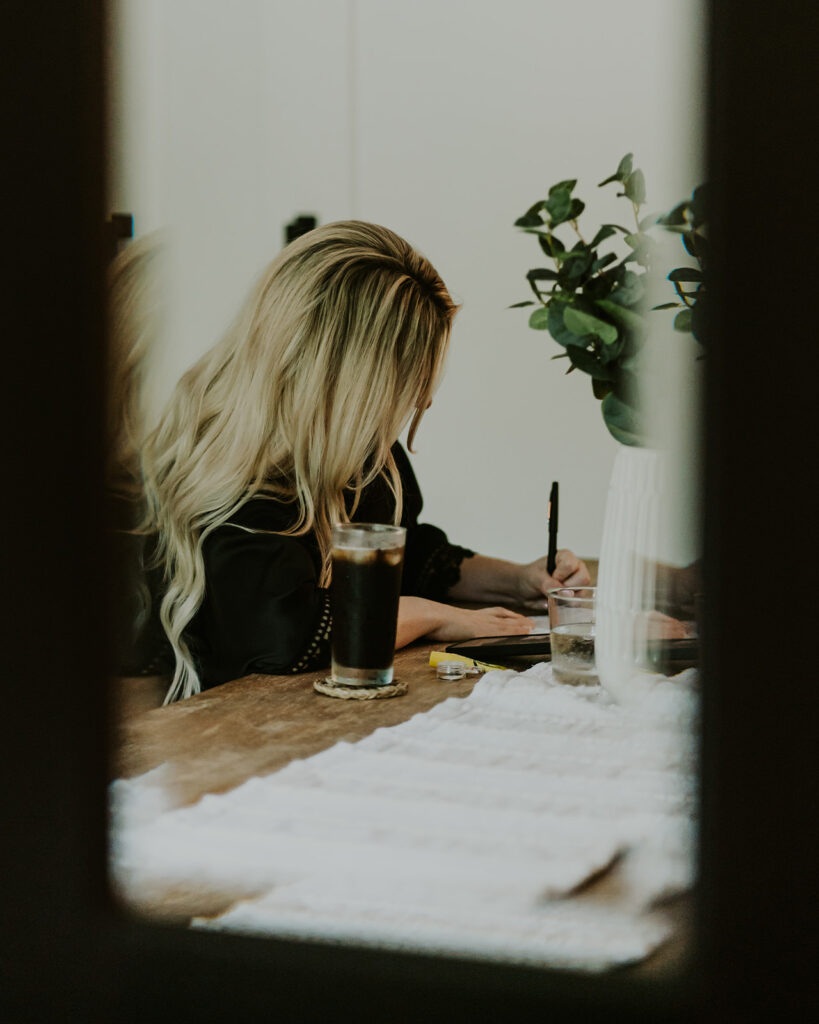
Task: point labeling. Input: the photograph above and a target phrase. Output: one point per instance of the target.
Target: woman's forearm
(487, 579)
(417, 617)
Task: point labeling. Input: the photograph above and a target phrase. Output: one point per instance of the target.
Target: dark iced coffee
(368, 559)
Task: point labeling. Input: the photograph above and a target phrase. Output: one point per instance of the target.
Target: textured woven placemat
(330, 689)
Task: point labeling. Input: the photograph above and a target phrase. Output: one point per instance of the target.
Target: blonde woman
(290, 424)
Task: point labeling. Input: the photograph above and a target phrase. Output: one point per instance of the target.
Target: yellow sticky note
(437, 656)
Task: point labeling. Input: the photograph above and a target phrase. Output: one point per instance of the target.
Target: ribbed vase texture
(626, 575)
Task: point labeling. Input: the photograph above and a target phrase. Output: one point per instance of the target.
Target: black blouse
(264, 610)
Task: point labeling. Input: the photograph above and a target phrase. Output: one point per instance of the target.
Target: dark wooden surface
(255, 725)
(252, 726)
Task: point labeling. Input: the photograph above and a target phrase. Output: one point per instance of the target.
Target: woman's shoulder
(253, 540)
(263, 512)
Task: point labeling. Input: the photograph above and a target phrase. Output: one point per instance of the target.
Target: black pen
(551, 515)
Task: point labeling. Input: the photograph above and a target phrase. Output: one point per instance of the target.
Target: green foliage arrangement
(689, 219)
(592, 304)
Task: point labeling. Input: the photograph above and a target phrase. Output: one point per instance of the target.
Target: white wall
(443, 119)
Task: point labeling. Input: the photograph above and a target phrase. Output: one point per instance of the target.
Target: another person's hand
(466, 623)
(536, 581)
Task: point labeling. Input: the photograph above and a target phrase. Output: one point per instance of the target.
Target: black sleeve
(431, 564)
(263, 610)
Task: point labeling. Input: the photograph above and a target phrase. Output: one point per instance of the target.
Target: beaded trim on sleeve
(441, 571)
(317, 650)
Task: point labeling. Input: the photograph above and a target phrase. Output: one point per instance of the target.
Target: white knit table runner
(463, 830)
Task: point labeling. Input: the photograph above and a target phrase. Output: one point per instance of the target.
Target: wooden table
(255, 725)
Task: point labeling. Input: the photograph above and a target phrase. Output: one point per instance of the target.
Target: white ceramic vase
(626, 571)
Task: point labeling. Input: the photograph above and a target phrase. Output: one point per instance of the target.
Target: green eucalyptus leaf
(610, 354)
(519, 305)
(551, 245)
(604, 261)
(625, 317)
(631, 290)
(541, 274)
(599, 285)
(685, 274)
(622, 172)
(677, 217)
(622, 420)
(635, 187)
(568, 257)
(577, 207)
(682, 321)
(559, 207)
(574, 266)
(692, 240)
(557, 327)
(581, 324)
(532, 217)
(539, 319)
(588, 362)
(624, 167)
(563, 186)
(606, 231)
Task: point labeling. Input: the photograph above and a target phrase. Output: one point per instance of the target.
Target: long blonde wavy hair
(339, 345)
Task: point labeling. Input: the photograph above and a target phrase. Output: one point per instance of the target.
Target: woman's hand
(419, 617)
(535, 580)
(463, 624)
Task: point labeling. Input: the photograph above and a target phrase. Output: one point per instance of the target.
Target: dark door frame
(68, 953)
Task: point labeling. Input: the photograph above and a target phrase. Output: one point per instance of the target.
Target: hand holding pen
(560, 568)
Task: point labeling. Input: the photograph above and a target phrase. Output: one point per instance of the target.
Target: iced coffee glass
(368, 559)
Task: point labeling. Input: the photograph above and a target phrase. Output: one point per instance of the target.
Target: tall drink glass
(368, 559)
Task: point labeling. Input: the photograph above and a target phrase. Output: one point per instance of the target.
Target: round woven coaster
(330, 689)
